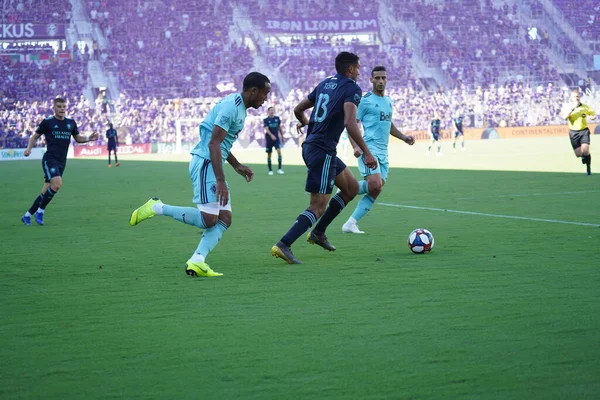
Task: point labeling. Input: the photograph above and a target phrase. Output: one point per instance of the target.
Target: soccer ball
(420, 241)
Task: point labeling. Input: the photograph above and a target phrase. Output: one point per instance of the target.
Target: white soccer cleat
(270, 172)
(439, 154)
(280, 172)
(351, 227)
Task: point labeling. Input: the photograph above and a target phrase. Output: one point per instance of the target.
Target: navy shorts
(52, 168)
(112, 147)
(323, 167)
(458, 133)
(435, 136)
(272, 143)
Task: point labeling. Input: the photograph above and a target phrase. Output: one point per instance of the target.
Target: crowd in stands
(584, 16)
(171, 49)
(148, 120)
(20, 11)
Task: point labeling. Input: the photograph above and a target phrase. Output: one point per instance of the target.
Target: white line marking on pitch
(500, 196)
(555, 221)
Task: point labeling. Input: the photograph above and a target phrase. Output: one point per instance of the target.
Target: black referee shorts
(579, 137)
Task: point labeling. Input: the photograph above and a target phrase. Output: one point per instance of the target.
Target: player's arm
(241, 169)
(590, 113)
(300, 115)
(268, 131)
(354, 133)
(79, 138)
(280, 131)
(567, 110)
(31, 144)
(395, 132)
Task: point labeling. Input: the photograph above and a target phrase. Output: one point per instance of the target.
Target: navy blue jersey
(111, 135)
(58, 136)
(273, 125)
(327, 119)
(435, 126)
(459, 123)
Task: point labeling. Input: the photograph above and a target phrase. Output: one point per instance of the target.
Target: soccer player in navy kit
(58, 131)
(335, 102)
(273, 133)
(435, 134)
(113, 142)
(458, 131)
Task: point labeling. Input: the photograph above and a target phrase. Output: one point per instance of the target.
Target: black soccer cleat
(319, 239)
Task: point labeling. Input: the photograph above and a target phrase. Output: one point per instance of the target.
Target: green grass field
(501, 309)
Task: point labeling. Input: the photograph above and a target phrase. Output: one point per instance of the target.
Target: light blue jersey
(229, 114)
(375, 113)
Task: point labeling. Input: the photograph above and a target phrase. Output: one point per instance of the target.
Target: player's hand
(246, 172)
(592, 117)
(93, 137)
(299, 127)
(272, 137)
(410, 140)
(370, 161)
(27, 153)
(357, 152)
(222, 193)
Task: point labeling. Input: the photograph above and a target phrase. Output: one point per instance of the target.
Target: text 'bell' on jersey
(273, 125)
(327, 119)
(435, 125)
(111, 135)
(230, 115)
(375, 114)
(577, 119)
(58, 135)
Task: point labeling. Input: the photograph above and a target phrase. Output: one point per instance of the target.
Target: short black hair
(378, 69)
(344, 60)
(59, 100)
(255, 80)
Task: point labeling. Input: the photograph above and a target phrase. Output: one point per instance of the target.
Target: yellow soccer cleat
(280, 250)
(199, 269)
(144, 212)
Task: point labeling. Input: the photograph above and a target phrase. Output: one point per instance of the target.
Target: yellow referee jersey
(577, 118)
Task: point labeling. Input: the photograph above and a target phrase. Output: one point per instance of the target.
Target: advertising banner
(518, 132)
(322, 25)
(19, 154)
(101, 151)
(25, 31)
(169, 148)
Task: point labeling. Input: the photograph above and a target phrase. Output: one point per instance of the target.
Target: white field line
(554, 221)
(503, 196)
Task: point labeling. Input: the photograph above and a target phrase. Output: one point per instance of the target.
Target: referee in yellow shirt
(576, 113)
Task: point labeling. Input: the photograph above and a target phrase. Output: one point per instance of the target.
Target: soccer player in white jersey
(218, 132)
(375, 113)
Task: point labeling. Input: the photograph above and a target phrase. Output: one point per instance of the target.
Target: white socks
(158, 208)
(39, 210)
(197, 258)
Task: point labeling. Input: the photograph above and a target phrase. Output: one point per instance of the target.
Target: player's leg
(586, 157)
(196, 265)
(375, 179)
(269, 151)
(109, 160)
(203, 219)
(319, 184)
(348, 185)
(54, 171)
(279, 158)
(438, 139)
(116, 159)
(455, 136)
(462, 141)
(26, 218)
(431, 142)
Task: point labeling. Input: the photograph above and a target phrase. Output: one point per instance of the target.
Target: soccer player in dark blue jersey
(273, 134)
(335, 101)
(58, 131)
(435, 134)
(113, 142)
(458, 132)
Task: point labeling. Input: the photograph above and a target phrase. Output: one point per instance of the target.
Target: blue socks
(210, 238)
(302, 224)
(187, 215)
(279, 161)
(363, 207)
(336, 205)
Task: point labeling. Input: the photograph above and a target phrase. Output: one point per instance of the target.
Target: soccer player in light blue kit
(218, 132)
(375, 113)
